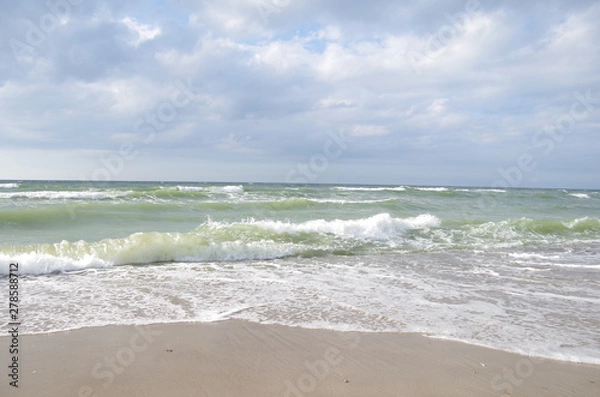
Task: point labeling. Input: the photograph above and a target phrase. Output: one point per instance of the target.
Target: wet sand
(237, 358)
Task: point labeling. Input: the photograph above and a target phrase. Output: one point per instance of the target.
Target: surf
(219, 241)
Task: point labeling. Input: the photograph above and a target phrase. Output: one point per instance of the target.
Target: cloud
(141, 32)
(368, 130)
(438, 90)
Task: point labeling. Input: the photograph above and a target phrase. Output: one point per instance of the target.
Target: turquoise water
(514, 269)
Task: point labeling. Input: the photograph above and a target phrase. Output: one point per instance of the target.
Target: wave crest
(64, 195)
(219, 241)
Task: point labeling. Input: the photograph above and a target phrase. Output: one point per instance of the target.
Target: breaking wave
(218, 241)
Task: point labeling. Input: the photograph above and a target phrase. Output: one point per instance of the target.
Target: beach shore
(237, 358)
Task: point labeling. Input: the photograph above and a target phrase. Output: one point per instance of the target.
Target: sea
(511, 269)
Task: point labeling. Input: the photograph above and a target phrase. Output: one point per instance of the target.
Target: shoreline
(84, 328)
(239, 358)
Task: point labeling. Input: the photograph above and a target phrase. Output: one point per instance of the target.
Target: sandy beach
(237, 358)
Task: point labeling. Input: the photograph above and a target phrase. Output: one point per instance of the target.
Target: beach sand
(237, 358)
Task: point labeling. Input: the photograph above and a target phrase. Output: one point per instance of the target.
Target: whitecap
(227, 189)
(431, 189)
(370, 189)
(580, 195)
(58, 195)
(378, 227)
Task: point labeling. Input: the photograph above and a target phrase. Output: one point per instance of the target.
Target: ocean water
(512, 269)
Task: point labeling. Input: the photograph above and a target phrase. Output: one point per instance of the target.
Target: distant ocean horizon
(504, 185)
(515, 269)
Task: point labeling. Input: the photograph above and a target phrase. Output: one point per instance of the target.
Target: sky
(465, 93)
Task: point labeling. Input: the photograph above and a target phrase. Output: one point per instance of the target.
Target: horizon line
(301, 184)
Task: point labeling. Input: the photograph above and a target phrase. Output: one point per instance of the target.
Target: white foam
(351, 295)
(142, 248)
(36, 263)
(213, 241)
(68, 195)
(190, 188)
(371, 189)
(212, 189)
(431, 189)
(577, 221)
(378, 227)
(528, 255)
(9, 185)
(491, 190)
(340, 201)
(482, 190)
(227, 189)
(580, 195)
(576, 266)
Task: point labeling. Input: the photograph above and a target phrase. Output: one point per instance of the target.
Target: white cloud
(283, 56)
(438, 106)
(142, 32)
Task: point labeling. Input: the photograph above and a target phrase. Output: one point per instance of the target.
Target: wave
(481, 190)
(580, 195)
(64, 195)
(253, 239)
(227, 189)
(218, 241)
(584, 224)
(523, 229)
(291, 203)
(64, 213)
(431, 189)
(175, 192)
(490, 190)
(9, 185)
(210, 189)
(37, 263)
(190, 188)
(144, 203)
(420, 188)
(34, 216)
(370, 189)
(168, 194)
(341, 201)
(378, 227)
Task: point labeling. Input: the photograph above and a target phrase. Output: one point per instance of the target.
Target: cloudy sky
(488, 92)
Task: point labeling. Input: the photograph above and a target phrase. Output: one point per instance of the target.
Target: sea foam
(68, 195)
(370, 189)
(227, 189)
(378, 227)
(580, 195)
(218, 241)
